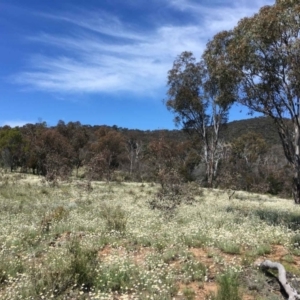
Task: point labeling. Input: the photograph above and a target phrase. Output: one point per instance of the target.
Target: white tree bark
(292, 293)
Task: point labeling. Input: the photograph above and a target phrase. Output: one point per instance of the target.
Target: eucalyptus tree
(264, 53)
(77, 137)
(12, 146)
(199, 104)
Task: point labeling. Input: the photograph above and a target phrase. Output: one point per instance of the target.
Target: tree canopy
(261, 56)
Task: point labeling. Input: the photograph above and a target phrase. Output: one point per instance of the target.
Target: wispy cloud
(104, 54)
(220, 15)
(100, 22)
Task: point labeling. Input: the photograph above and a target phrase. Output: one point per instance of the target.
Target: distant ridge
(230, 131)
(262, 125)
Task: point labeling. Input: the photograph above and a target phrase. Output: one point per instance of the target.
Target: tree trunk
(296, 179)
(210, 173)
(296, 186)
(131, 163)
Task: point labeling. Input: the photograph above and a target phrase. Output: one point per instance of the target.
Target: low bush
(228, 287)
(115, 217)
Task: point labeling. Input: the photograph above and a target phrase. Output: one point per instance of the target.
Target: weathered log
(291, 292)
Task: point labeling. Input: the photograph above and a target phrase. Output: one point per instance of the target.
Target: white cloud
(126, 59)
(224, 15)
(16, 123)
(100, 22)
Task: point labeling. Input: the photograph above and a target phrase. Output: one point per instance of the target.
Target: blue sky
(102, 61)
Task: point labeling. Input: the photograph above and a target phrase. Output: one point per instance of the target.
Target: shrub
(189, 293)
(263, 249)
(229, 247)
(275, 217)
(83, 264)
(58, 214)
(171, 195)
(9, 267)
(58, 273)
(115, 217)
(228, 287)
(295, 241)
(193, 270)
(275, 185)
(117, 278)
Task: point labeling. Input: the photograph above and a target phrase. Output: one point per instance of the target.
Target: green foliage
(58, 214)
(275, 217)
(123, 276)
(83, 264)
(171, 254)
(77, 268)
(262, 250)
(12, 146)
(228, 287)
(10, 267)
(193, 270)
(249, 146)
(288, 258)
(295, 241)
(197, 99)
(172, 194)
(263, 126)
(275, 185)
(115, 217)
(267, 73)
(188, 293)
(116, 277)
(229, 247)
(197, 240)
(57, 279)
(10, 138)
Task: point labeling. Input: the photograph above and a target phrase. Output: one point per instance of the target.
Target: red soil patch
(277, 253)
(138, 256)
(201, 290)
(208, 256)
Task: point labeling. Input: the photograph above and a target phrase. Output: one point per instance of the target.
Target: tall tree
(107, 153)
(58, 155)
(11, 146)
(77, 137)
(264, 52)
(34, 151)
(199, 104)
(134, 149)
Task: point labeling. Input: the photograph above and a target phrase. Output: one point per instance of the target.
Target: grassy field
(106, 241)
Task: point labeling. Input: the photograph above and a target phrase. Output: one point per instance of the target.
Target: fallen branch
(291, 292)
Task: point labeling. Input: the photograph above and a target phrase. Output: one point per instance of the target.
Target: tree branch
(291, 292)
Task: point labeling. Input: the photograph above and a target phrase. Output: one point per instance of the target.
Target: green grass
(188, 293)
(114, 216)
(193, 270)
(70, 242)
(229, 247)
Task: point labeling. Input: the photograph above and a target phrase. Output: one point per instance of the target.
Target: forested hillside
(262, 125)
(250, 157)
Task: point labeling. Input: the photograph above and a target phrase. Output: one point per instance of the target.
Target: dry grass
(106, 242)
